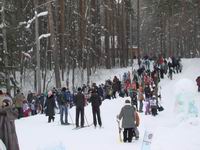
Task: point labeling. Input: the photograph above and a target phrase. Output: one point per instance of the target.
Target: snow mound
(185, 85)
(186, 102)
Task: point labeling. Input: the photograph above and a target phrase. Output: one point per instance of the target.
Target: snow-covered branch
(42, 14)
(38, 15)
(2, 8)
(29, 22)
(31, 50)
(22, 23)
(2, 25)
(26, 55)
(44, 36)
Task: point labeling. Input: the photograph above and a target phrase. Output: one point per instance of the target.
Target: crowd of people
(141, 85)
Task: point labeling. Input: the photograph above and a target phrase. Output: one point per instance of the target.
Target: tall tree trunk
(170, 41)
(82, 32)
(53, 46)
(62, 31)
(45, 66)
(7, 72)
(138, 30)
(118, 34)
(67, 78)
(73, 75)
(38, 72)
(113, 32)
(195, 32)
(106, 34)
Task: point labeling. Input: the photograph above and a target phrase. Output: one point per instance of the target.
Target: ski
(76, 128)
(67, 124)
(98, 127)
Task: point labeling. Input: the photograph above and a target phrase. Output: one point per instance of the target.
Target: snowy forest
(64, 35)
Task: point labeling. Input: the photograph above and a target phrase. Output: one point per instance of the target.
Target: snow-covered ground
(174, 128)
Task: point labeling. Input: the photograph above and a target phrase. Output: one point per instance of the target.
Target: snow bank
(185, 100)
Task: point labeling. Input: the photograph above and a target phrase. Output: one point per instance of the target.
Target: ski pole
(71, 117)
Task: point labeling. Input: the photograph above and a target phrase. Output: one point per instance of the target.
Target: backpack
(137, 119)
(61, 99)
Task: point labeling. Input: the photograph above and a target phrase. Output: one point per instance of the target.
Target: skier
(128, 117)
(64, 98)
(96, 103)
(79, 101)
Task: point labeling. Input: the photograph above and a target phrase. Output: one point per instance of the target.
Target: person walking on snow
(129, 124)
(50, 105)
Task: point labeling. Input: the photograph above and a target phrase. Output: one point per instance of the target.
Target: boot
(49, 119)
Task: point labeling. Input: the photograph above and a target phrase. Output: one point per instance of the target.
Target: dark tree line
(91, 34)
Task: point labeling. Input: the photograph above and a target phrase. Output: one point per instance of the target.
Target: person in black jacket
(198, 83)
(96, 103)
(79, 101)
(50, 105)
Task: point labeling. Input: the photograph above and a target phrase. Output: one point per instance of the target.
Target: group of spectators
(141, 85)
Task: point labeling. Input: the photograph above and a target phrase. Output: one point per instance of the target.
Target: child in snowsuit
(153, 105)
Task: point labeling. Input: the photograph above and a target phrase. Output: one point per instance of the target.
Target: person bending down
(128, 116)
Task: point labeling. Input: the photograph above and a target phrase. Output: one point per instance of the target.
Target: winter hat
(64, 89)
(79, 89)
